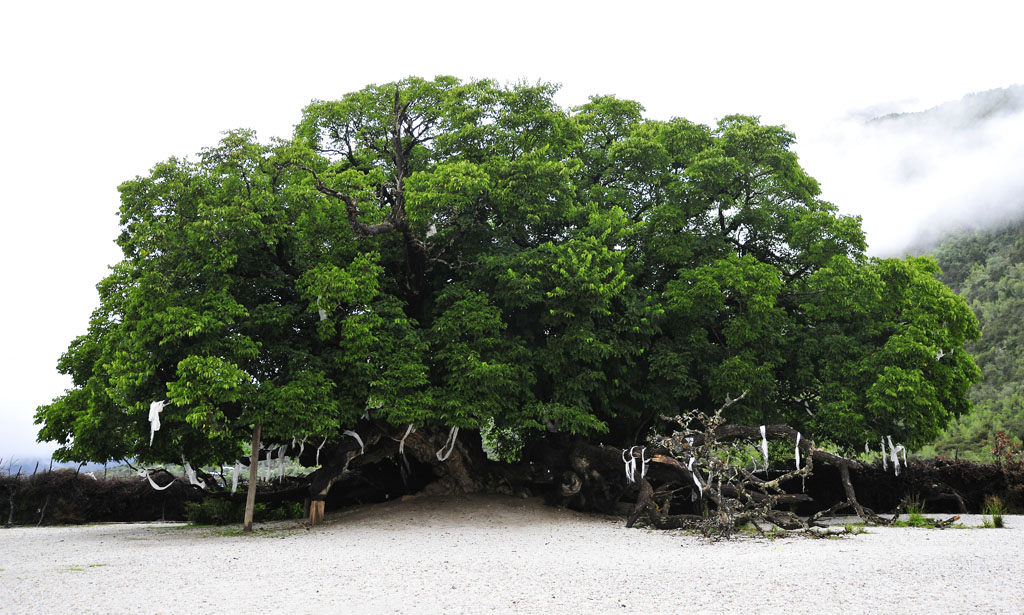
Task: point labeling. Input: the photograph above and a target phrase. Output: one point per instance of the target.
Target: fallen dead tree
(711, 463)
(704, 476)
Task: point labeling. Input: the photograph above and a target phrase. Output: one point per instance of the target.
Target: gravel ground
(485, 554)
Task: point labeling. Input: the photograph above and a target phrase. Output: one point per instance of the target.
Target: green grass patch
(992, 513)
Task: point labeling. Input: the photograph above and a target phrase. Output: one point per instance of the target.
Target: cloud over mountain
(915, 176)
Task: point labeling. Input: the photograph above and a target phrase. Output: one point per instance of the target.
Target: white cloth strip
(630, 461)
(234, 476)
(323, 313)
(155, 409)
(449, 444)
(693, 475)
(894, 456)
(191, 474)
(885, 465)
(401, 443)
(764, 446)
(643, 463)
(349, 432)
(144, 473)
(280, 461)
(798, 451)
(866, 448)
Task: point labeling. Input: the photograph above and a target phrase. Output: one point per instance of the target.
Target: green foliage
(451, 253)
(987, 269)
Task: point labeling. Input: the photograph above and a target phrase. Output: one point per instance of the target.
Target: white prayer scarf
(280, 460)
(349, 432)
(764, 446)
(318, 451)
(145, 474)
(630, 461)
(191, 474)
(449, 444)
(693, 475)
(155, 409)
(798, 451)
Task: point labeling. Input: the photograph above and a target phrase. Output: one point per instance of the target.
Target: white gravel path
(485, 554)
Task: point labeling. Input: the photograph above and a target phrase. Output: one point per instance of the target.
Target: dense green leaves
(987, 269)
(464, 254)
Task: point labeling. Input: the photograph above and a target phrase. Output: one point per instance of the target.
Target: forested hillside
(987, 269)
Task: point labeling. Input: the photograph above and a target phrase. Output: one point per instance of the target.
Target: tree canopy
(445, 254)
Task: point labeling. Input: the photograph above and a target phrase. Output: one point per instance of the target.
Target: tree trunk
(254, 460)
(42, 513)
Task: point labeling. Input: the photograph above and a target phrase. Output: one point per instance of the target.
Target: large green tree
(446, 254)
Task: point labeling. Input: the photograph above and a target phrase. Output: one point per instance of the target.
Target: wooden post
(316, 512)
(254, 460)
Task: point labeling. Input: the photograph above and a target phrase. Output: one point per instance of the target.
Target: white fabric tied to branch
(630, 461)
(144, 473)
(401, 443)
(764, 446)
(885, 465)
(234, 476)
(693, 475)
(323, 312)
(268, 465)
(349, 432)
(449, 444)
(401, 447)
(155, 409)
(643, 463)
(866, 448)
(191, 474)
(280, 461)
(895, 450)
(318, 451)
(798, 451)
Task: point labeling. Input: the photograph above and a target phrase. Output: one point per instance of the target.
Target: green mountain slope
(987, 268)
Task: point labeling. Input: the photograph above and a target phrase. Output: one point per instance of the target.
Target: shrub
(212, 511)
(993, 512)
(915, 511)
(217, 511)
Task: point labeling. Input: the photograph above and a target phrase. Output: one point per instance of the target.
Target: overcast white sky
(94, 93)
